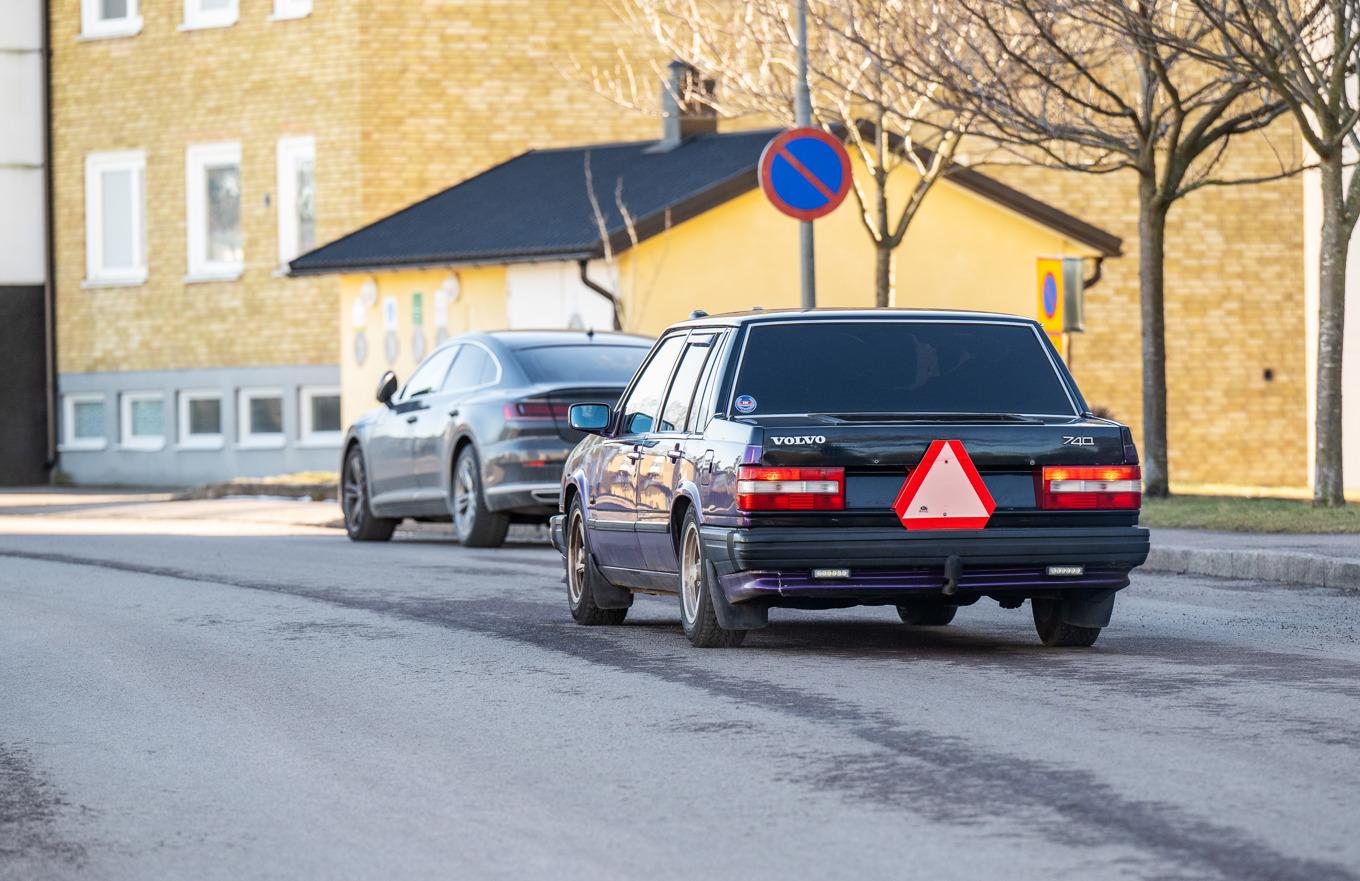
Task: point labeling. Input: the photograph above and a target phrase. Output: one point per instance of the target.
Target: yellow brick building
(181, 128)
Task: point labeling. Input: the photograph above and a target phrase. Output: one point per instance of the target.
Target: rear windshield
(611, 365)
(897, 367)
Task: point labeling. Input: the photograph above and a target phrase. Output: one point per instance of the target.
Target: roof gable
(537, 206)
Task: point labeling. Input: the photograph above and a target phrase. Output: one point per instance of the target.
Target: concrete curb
(1313, 570)
(317, 492)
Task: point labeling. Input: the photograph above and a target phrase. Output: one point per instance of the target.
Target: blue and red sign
(805, 173)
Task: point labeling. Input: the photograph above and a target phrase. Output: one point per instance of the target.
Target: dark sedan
(818, 459)
(479, 432)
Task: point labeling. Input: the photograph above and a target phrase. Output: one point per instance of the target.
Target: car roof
(528, 339)
(771, 316)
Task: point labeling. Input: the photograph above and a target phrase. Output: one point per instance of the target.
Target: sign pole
(803, 112)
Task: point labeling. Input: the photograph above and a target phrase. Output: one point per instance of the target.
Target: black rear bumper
(777, 563)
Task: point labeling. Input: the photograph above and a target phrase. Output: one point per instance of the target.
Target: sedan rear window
(611, 365)
(897, 367)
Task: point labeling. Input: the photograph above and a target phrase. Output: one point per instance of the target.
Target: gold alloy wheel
(576, 557)
(691, 573)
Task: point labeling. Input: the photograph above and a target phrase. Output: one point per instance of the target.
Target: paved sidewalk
(1315, 560)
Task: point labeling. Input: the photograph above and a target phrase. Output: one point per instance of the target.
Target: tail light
(1091, 487)
(530, 410)
(790, 489)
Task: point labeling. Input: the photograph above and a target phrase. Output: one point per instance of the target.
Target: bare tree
(1308, 53)
(891, 122)
(1103, 86)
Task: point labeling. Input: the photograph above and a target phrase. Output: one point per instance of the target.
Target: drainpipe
(50, 281)
(608, 295)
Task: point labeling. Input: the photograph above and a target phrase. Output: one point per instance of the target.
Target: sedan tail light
(1091, 487)
(790, 489)
(531, 410)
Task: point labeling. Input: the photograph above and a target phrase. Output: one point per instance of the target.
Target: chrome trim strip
(532, 488)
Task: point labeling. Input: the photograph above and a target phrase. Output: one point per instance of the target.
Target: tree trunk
(1328, 486)
(1151, 240)
(883, 280)
(883, 249)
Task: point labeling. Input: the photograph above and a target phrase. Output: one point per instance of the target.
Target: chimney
(682, 116)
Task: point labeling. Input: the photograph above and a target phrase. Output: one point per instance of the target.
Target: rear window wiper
(905, 416)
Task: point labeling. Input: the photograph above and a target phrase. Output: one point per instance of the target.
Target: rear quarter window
(898, 367)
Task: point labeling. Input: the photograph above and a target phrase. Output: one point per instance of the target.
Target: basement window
(142, 420)
(321, 417)
(213, 179)
(115, 218)
(109, 18)
(260, 415)
(297, 197)
(210, 14)
(82, 421)
(200, 420)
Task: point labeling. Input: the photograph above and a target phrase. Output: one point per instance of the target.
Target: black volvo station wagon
(759, 459)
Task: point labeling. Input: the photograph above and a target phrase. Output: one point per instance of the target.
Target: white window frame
(287, 10)
(197, 159)
(253, 440)
(189, 441)
(94, 27)
(290, 152)
(196, 17)
(96, 164)
(126, 439)
(69, 441)
(308, 436)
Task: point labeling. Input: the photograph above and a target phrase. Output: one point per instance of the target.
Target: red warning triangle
(944, 491)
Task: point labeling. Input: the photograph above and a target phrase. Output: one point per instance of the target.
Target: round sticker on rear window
(745, 404)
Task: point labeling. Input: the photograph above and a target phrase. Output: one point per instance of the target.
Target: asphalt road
(211, 690)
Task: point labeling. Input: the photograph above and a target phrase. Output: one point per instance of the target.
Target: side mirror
(590, 418)
(387, 387)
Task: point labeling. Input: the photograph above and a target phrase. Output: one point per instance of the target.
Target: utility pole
(803, 116)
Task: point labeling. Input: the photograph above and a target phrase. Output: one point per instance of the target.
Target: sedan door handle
(412, 418)
(453, 414)
(636, 454)
(674, 455)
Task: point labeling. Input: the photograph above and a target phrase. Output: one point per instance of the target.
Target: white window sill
(263, 442)
(208, 276)
(131, 281)
(207, 25)
(289, 16)
(327, 441)
(82, 447)
(128, 28)
(131, 446)
(201, 444)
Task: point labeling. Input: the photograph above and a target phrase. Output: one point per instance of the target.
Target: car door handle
(453, 414)
(674, 455)
(636, 454)
(412, 418)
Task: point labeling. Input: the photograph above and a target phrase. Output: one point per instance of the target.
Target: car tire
(360, 522)
(926, 613)
(581, 575)
(1057, 633)
(697, 615)
(474, 525)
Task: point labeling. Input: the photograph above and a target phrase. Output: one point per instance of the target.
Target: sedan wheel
(360, 522)
(697, 616)
(582, 577)
(474, 525)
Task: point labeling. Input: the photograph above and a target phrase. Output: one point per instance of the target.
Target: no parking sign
(805, 173)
